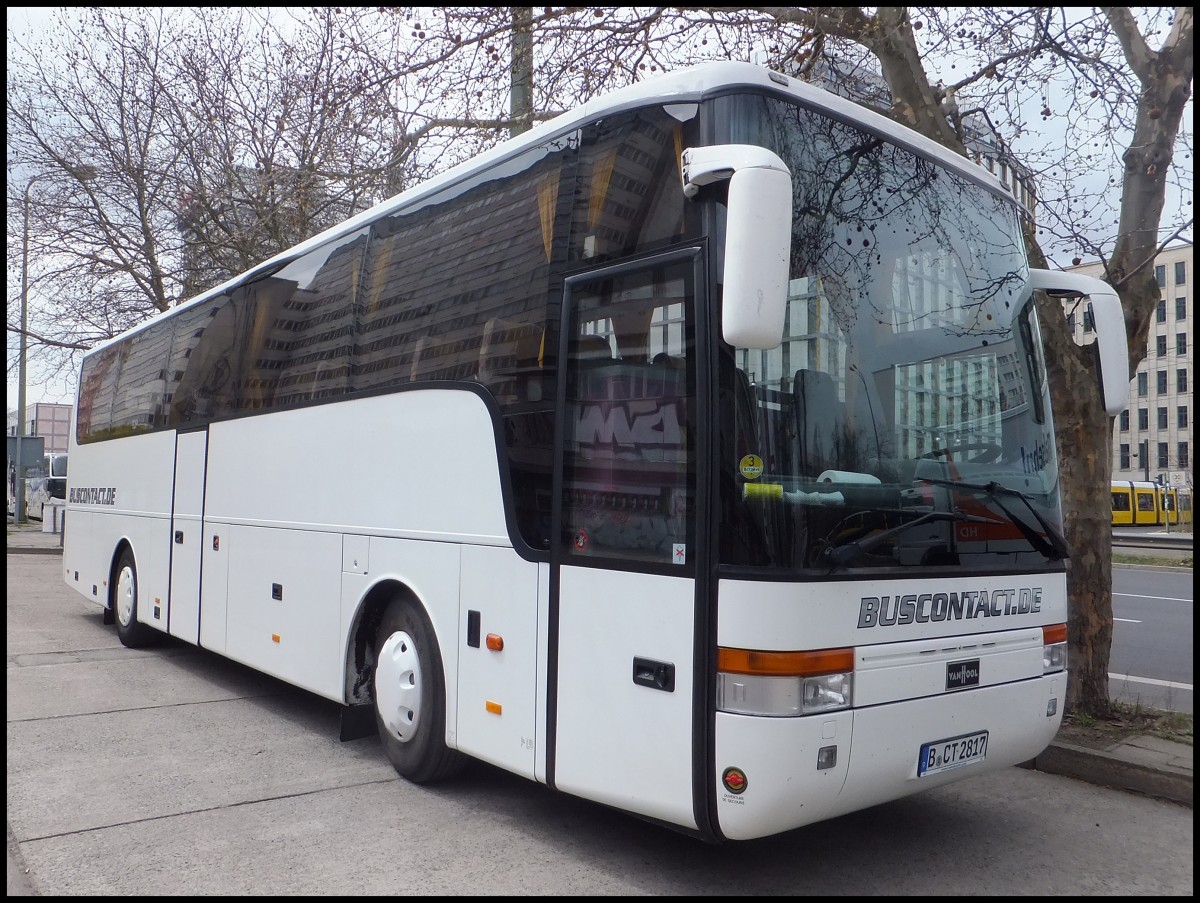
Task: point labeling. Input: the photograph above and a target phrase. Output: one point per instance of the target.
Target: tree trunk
(1083, 434)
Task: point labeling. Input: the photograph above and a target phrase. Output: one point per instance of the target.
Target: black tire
(124, 601)
(409, 693)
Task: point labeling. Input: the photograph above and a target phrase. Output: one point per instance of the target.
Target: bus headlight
(827, 692)
(781, 684)
(1054, 648)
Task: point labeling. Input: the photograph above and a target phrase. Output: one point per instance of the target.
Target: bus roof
(688, 85)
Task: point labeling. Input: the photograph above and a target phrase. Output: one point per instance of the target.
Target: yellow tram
(1140, 502)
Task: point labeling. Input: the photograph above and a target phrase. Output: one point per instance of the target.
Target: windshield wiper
(839, 555)
(1053, 545)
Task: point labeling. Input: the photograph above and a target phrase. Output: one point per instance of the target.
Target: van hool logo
(92, 495)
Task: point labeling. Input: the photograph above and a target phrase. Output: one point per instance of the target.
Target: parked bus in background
(1145, 503)
(712, 471)
(50, 482)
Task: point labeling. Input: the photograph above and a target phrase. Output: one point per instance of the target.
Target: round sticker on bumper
(734, 780)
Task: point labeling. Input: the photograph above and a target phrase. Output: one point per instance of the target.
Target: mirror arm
(758, 237)
(1112, 343)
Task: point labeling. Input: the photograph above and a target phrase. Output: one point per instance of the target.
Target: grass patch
(1152, 561)
(1126, 720)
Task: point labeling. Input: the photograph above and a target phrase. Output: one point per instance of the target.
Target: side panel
(287, 494)
(283, 615)
(543, 670)
(496, 686)
(81, 556)
(430, 570)
(186, 540)
(121, 491)
(620, 742)
(214, 591)
(146, 538)
(418, 465)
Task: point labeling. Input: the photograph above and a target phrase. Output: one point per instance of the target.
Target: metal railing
(1124, 540)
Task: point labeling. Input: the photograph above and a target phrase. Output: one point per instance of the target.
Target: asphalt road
(173, 771)
(1153, 623)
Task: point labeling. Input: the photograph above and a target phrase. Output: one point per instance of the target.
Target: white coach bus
(48, 484)
(708, 467)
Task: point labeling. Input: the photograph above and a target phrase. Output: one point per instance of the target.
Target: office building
(1152, 438)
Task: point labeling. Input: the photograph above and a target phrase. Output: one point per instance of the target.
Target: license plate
(942, 755)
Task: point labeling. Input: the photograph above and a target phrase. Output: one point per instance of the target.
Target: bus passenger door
(187, 512)
(623, 587)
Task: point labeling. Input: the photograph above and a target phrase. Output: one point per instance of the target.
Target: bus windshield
(904, 421)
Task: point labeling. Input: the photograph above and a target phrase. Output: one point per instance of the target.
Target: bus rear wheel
(410, 696)
(130, 631)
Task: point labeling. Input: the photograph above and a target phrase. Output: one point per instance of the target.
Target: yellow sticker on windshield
(751, 467)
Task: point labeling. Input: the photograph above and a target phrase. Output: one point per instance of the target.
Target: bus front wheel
(130, 631)
(410, 696)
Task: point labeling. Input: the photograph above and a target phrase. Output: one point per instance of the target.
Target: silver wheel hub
(126, 592)
(398, 683)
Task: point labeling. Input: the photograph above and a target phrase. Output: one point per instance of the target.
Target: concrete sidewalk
(1146, 765)
(29, 539)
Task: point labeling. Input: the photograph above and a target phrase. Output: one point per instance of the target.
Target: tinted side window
(629, 450)
(141, 383)
(628, 197)
(467, 287)
(196, 370)
(436, 276)
(96, 382)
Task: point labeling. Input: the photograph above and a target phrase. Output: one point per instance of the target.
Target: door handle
(654, 674)
(179, 536)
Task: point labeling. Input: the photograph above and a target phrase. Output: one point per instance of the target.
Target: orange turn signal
(785, 664)
(1054, 633)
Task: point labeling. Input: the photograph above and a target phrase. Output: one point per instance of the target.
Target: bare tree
(175, 149)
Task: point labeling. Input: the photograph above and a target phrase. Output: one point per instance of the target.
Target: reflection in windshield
(910, 360)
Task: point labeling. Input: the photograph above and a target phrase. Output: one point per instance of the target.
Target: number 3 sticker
(751, 467)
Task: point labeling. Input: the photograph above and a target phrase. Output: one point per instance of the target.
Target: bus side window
(589, 350)
(629, 480)
(820, 422)
(420, 361)
(510, 360)
(747, 440)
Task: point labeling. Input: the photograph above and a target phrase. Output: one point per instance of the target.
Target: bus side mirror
(1112, 345)
(758, 237)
